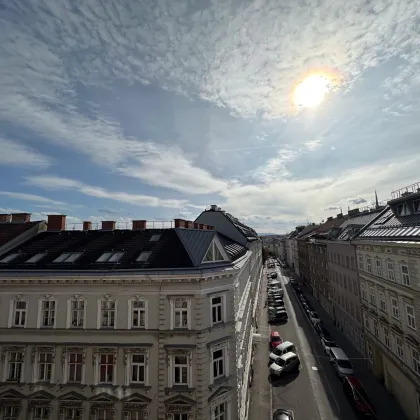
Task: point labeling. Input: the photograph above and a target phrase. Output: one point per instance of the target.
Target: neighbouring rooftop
(13, 225)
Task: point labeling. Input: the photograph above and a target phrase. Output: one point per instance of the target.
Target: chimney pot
(21, 217)
(87, 225)
(5, 218)
(108, 225)
(139, 224)
(56, 222)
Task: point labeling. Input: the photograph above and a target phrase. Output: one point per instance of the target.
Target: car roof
(275, 334)
(285, 344)
(281, 414)
(339, 353)
(288, 355)
(354, 381)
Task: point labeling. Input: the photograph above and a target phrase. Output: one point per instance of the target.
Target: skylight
(9, 258)
(35, 258)
(110, 257)
(213, 254)
(155, 238)
(144, 256)
(68, 257)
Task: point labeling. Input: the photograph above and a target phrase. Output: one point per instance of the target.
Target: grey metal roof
(196, 242)
(362, 219)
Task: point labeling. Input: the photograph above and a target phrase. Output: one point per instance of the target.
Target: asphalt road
(314, 393)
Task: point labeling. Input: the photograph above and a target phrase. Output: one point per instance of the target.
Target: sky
(155, 109)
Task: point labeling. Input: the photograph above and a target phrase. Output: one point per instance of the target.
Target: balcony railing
(152, 224)
(410, 189)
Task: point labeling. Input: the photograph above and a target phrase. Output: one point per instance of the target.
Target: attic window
(68, 257)
(416, 205)
(110, 257)
(213, 254)
(9, 258)
(35, 258)
(155, 238)
(144, 256)
(403, 210)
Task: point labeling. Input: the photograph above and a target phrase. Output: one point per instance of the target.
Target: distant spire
(341, 210)
(376, 200)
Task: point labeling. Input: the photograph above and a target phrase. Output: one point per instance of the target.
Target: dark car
(357, 396)
(322, 331)
(281, 414)
(277, 316)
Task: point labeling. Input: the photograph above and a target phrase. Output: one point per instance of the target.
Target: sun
(311, 91)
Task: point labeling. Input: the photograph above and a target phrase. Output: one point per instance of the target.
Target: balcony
(405, 191)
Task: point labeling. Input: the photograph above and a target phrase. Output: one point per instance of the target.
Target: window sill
(112, 386)
(136, 386)
(219, 381)
(178, 388)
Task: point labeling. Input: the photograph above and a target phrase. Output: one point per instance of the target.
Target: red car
(355, 392)
(275, 339)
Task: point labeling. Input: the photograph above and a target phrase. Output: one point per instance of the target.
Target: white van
(283, 348)
(340, 362)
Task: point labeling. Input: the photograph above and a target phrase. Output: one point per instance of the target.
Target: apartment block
(130, 324)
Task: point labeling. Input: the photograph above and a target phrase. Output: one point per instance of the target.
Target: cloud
(15, 154)
(32, 197)
(358, 200)
(58, 183)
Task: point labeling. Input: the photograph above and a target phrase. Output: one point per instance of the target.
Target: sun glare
(311, 91)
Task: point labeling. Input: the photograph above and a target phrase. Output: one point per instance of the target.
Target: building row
(127, 324)
(364, 270)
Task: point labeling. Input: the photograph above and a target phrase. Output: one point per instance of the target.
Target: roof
(173, 248)
(388, 226)
(361, 219)
(10, 230)
(306, 231)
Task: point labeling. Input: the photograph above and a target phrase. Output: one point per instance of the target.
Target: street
(315, 392)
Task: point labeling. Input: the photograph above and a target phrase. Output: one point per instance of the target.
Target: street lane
(315, 393)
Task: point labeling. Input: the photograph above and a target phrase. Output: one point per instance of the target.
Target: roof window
(68, 257)
(155, 238)
(112, 257)
(213, 254)
(9, 258)
(35, 258)
(403, 210)
(416, 204)
(144, 256)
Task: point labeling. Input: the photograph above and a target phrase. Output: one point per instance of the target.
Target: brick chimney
(180, 223)
(208, 227)
(87, 225)
(56, 222)
(5, 218)
(189, 225)
(108, 225)
(139, 224)
(21, 217)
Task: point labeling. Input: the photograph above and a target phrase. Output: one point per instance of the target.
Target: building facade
(289, 249)
(388, 259)
(126, 324)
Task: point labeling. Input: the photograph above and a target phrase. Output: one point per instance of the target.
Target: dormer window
(155, 238)
(403, 210)
(9, 258)
(35, 258)
(416, 204)
(111, 257)
(144, 256)
(68, 257)
(213, 254)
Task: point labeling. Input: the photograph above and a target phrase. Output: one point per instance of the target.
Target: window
(48, 308)
(386, 338)
(372, 295)
(9, 258)
(403, 210)
(77, 313)
(369, 264)
(15, 366)
(218, 363)
(104, 414)
(405, 275)
(73, 414)
(180, 313)
(11, 412)
(44, 366)
(68, 257)
(106, 368)
(138, 369)
(400, 348)
(112, 257)
(217, 309)
(155, 238)
(390, 266)
(416, 205)
(213, 254)
(220, 412)
(395, 308)
(347, 261)
(356, 292)
(360, 262)
(180, 370)
(382, 301)
(350, 286)
(352, 262)
(415, 357)
(379, 267)
(367, 323)
(41, 413)
(108, 310)
(138, 313)
(363, 290)
(20, 308)
(370, 352)
(75, 367)
(411, 320)
(36, 257)
(375, 328)
(144, 256)
(135, 415)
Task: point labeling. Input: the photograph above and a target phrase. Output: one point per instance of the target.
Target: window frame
(391, 264)
(224, 359)
(99, 325)
(7, 365)
(415, 361)
(105, 260)
(395, 308)
(360, 262)
(41, 310)
(181, 367)
(174, 310)
(12, 415)
(382, 301)
(98, 364)
(131, 310)
(372, 296)
(73, 256)
(70, 310)
(405, 277)
(222, 306)
(399, 348)
(78, 351)
(387, 338)
(369, 264)
(37, 365)
(130, 354)
(13, 310)
(46, 408)
(410, 316)
(378, 267)
(363, 290)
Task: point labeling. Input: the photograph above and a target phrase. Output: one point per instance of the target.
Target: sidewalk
(386, 406)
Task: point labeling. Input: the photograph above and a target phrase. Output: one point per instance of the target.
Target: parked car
(283, 348)
(281, 414)
(314, 318)
(322, 331)
(277, 316)
(275, 340)
(286, 363)
(327, 343)
(357, 396)
(273, 275)
(340, 362)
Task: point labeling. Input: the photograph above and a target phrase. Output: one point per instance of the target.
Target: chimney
(189, 224)
(5, 218)
(213, 207)
(353, 211)
(139, 224)
(339, 215)
(56, 222)
(180, 223)
(108, 225)
(208, 227)
(21, 217)
(329, 219)
(87, 225)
